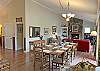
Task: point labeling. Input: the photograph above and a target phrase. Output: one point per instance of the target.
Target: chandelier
(67, 15)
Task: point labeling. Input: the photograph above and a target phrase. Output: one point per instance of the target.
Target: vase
(41, 37)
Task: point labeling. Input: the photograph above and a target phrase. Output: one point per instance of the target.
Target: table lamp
(93, 33)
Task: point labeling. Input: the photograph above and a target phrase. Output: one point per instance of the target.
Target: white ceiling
(84, 9)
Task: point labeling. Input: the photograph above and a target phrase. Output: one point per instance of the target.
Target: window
(87, 30)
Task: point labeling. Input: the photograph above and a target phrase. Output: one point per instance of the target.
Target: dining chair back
(39, 56)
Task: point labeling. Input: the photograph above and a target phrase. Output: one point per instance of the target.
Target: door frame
(16, 48)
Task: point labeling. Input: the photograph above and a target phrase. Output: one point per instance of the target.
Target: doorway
(19, 36)
(8, 34)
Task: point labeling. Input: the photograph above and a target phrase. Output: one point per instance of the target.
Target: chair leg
(56, 65)
(34, 65)
(71, 57)
(52, 66)
(74, 53)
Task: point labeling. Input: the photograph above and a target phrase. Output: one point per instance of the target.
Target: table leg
(62, 59)
(49, 62)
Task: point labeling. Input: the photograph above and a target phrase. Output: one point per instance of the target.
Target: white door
(8, 42)
(8, 29)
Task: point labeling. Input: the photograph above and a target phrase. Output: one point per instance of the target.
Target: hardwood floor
(21, 61)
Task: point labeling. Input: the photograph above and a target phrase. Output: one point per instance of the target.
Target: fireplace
(75, 36)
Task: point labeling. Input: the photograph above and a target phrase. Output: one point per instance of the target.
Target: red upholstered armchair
(83, 45)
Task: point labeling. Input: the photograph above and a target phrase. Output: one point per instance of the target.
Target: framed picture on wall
(46, 31)
(54, 29)
(75, 28)
(34, 31)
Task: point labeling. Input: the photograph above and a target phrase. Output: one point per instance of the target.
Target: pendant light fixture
(68, 14)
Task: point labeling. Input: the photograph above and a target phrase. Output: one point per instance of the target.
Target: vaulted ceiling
(3, 5)
(84, 9)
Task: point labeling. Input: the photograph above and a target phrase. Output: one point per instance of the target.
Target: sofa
(83, 45)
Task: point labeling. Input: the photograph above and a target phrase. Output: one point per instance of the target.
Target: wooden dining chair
(74, 51)
(57, 60)
(40, 57)
(69, 54)
(67, 58)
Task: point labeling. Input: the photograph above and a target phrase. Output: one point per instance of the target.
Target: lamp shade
(93, 33)
(64, 15)
(67, 19)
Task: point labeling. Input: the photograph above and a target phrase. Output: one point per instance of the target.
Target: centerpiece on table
(41, 37)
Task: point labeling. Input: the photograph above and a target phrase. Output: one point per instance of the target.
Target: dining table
(53, 50)
(57, 50)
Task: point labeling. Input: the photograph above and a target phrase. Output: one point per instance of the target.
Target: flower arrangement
(41, 37)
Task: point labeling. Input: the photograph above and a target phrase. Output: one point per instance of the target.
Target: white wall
(88, 24)
(33, 15)
(13, 10)
(38, 16)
